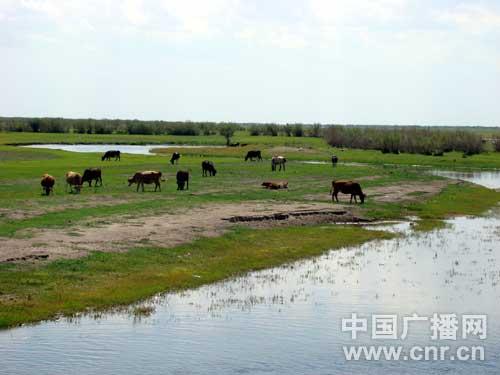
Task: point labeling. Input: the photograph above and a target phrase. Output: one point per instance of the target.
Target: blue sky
(328, 61)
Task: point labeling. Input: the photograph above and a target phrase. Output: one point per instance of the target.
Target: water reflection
(490, 179)
(287, 320)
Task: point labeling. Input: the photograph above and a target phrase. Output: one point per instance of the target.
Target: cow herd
(75, 181)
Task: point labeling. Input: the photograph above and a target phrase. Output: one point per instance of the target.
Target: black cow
(175, 158)
(253, 154)
(111, 154)
(335, 160)
(92, 174)
(182, 179)
(208, 168)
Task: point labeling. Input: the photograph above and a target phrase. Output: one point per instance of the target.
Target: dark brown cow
(253, 154)
(146, 177)
(73, 179)
(275, 185)
(92, 174)
(111, 154)
(347, 187)
(182, 179)
(335, 160)
(48, 183)
(175, 158)
(208, 168)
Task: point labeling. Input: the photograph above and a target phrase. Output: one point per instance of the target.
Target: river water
(287, 320)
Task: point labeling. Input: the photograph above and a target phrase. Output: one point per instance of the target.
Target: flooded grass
(103, 280)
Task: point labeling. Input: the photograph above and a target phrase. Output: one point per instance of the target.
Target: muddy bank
(166, 230)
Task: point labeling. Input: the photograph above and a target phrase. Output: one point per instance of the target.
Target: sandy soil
(414, 192)
(166, 230)
(407, 192)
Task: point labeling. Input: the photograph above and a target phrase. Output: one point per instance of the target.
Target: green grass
(103, 280)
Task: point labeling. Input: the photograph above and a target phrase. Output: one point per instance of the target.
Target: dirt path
(166, 230)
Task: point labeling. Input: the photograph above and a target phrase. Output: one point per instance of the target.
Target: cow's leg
(138, 184)
(187, 184)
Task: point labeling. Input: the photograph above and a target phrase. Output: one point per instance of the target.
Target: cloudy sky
(329, 61)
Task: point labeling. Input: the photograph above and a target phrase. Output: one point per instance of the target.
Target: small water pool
(126, 149)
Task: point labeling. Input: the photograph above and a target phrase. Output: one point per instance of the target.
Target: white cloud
(475, 18)
(358, 12)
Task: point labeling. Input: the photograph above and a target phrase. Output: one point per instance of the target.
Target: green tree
(227, 131)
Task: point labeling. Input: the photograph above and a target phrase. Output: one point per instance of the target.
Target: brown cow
(73, 179)
(274, 185)
(347, 187)
(92, 174)
(146, 177)
(47, 183)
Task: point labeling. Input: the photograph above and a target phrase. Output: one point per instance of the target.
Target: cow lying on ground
(208, 168)
(274, 185)
(253, 154)
(347, 187)
(47, 183)
(73, 179)
(175, 158)
(182, 179)
(278, 160)
(92, 174)
(111, 154)
(146, 177)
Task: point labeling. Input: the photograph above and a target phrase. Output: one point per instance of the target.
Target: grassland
(34, 291)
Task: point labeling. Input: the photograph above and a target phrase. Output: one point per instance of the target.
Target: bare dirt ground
(166, 230)
(413, 192)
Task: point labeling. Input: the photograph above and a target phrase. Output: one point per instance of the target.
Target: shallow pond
(287, 320)
(127, 149)
(489, 179)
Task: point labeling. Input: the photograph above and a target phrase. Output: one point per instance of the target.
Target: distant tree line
(92, 126)
(105, 126)
(289, 130)
(414, 139)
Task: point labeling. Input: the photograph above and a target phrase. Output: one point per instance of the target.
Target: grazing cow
(208, 168)
(47, 183)
(175, 158)
(111, 154)
(347, 187)
(335, 160)
(73, 179)
(278, 160)
(146, 177)
(92, 174)
(274, 185)
(182, 179)
(253, 154)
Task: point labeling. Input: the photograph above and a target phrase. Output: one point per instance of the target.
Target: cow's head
(131, 180)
